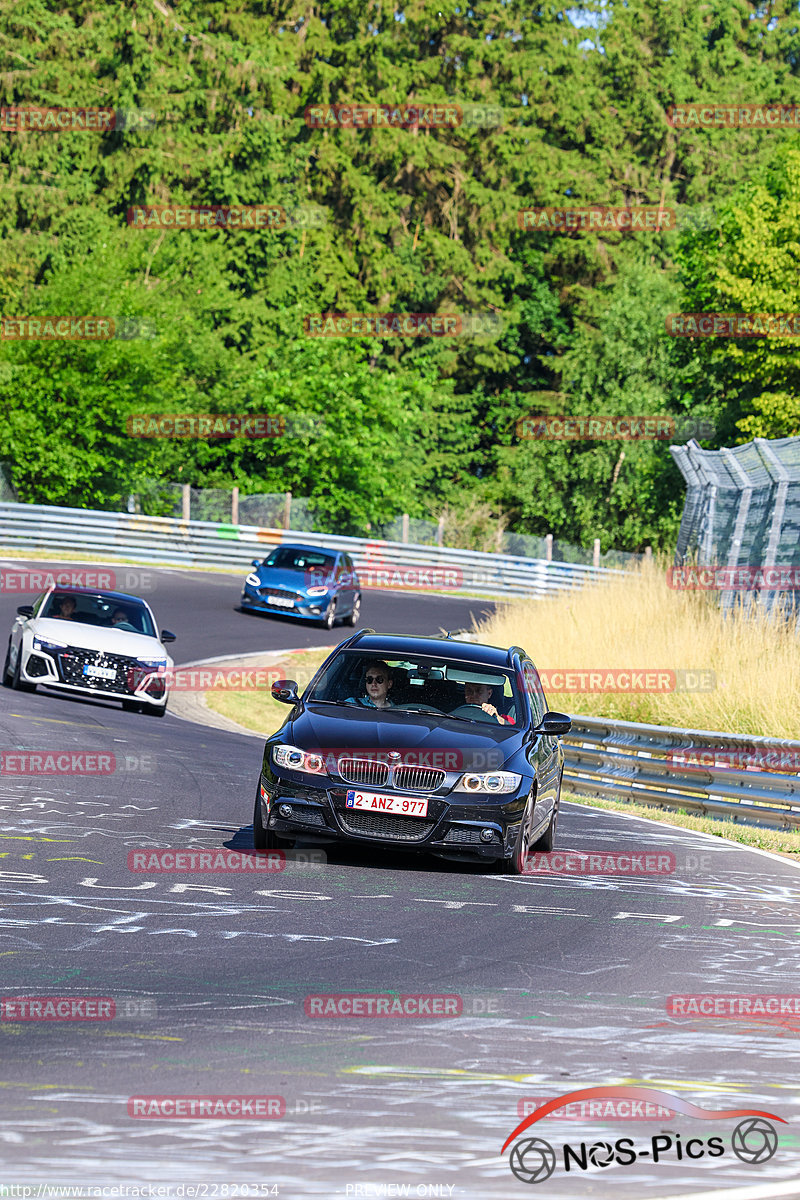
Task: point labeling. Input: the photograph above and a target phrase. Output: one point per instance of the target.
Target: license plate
(281, 601)
(99, 672)
(390, 804)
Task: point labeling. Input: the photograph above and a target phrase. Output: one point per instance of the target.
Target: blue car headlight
(317, 591)
(253, 580)
(495, 783)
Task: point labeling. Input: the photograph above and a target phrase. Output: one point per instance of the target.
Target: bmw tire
(548, 839)
(516, 864)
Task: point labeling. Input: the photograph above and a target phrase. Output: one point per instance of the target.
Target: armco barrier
(167, 541)
(620, 760)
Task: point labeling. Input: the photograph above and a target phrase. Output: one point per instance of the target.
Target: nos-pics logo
(533, 1160)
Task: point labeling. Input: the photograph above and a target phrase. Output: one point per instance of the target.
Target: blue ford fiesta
(416, 743)
(304, 581)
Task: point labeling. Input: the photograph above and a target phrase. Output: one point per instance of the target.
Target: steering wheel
(472, 711)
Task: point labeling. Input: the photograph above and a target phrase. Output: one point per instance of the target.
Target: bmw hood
(426, 739)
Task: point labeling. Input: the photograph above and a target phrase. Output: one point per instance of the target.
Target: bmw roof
(400, 645)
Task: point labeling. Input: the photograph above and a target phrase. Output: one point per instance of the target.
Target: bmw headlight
(496, 783)
(298, 760)
(38, 644)
(253, 580)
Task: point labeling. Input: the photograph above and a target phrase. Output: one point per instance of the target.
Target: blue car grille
(282, 593)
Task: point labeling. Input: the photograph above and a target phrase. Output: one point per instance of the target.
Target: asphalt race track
(561, 980)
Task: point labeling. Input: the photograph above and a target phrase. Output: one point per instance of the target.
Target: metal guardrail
(686, 769)
(167, 541)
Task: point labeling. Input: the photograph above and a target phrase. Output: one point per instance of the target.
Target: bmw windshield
(443, 687)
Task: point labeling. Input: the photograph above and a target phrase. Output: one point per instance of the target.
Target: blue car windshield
(470, 691)
(292, 558)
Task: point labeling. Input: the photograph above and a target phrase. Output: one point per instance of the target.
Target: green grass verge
(256, 709)
(775, 840)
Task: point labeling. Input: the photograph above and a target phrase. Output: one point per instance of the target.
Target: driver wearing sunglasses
(377, 681)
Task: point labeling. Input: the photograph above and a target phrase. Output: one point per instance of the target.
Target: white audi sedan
(93, 644)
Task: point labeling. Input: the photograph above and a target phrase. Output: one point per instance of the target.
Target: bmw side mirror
(25, 610)
(285, 690)
(166, 636)
(553, 724)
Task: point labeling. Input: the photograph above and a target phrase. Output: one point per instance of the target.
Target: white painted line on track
(709, 837)
(758, 1191)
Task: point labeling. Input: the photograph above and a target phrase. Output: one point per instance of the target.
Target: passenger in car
(480, 694)
(377, 681)
(66, 608)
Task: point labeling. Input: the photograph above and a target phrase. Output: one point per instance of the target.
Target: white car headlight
(496, 783)
(298, 760)
(253, 580)
(39, 644)
(317, 591)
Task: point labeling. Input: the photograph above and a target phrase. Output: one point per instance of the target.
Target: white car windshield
(105, 611)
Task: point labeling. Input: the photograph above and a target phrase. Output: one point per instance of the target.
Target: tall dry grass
(636, 620)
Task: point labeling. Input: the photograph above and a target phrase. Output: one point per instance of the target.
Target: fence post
(235, 506)
(440, 532)
(186, 501)
(648, 552)
(548, 547)
(404, 537)
(596, 553)
(287, 510)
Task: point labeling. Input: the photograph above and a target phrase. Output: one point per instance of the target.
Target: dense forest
(218, 104)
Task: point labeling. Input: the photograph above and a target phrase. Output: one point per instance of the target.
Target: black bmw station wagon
(425, 744)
